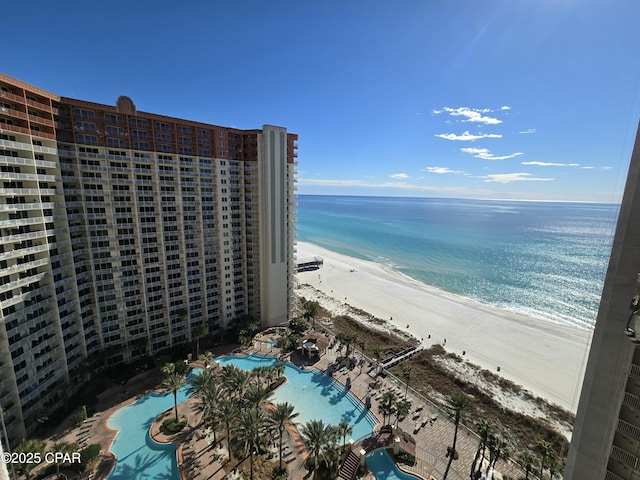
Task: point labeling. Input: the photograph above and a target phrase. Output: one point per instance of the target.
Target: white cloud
(484, 154)
(471, 114)
(443, 170)
(606, 168)
(505, 107)
(514, 177)
(551, 164)
(400, 176)
(528, 130)
(467, 137)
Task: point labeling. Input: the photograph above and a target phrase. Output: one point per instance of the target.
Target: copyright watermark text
(37, 457)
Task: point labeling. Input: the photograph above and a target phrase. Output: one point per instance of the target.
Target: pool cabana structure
(313, 345)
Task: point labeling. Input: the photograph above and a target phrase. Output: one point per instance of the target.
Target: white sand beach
(545, 358)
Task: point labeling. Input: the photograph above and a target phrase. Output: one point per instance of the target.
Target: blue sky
(508, 99)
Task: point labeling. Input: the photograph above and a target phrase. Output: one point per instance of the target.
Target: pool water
(383, 467)
(138, 455)
(314, 395)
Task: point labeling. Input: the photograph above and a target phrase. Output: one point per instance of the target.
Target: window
(87, 139)
(140, 134)
(162, 147)
(111, 118)
(110, 130)
(184, 129)
(138, 122)
(140, 145)
(116, 142)
(162, 126)
(82, 113)
(163, 137)
(85, 126)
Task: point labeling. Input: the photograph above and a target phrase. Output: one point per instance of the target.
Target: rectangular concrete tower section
(273, 172)
(606, 436)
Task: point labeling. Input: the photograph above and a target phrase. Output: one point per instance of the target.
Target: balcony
(628, 429)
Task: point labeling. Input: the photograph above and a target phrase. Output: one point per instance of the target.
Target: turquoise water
(545, 260)
(314, 395)
(383, 467)
(138, 455)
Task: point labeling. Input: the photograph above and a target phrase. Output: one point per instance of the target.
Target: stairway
(349, 467)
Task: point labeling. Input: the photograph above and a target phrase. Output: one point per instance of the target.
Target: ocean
(543, 259)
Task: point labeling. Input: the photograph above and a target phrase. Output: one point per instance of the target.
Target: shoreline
(546, 358)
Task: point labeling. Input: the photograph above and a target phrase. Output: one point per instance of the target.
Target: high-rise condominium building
(606, 435)
(123, 233)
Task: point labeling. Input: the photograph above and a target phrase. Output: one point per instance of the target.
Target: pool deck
(201, 458)
(432, 439)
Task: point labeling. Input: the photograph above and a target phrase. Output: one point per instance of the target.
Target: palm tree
(406, 374)
(254, 394)
(251, 426)
(172, 383)
(316, 435)
(35, 446)
(387, 406)
(311, 308)
(484, 428)
(279, 369)
(457, 404)
(206, 358)
(234, 380)
(401, 410)
(168, 368)
(556, 464)
(528, 461)
(209, 399)
(226, 410)
(198, 382)
(199, 332)
(344, 429)
(545, 449)
(497, 450)
(64, 447)
(278, 417)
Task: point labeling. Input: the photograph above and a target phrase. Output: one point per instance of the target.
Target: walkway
(433, 438)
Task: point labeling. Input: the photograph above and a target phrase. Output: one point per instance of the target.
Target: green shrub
(171, 426)
(78, 417)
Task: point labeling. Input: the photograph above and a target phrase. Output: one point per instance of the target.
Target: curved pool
(314, 394)
(138, 456)
(383, 467)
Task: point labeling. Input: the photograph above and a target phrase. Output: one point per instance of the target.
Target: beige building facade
(124, 233)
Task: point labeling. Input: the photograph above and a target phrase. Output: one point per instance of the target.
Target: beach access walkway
(436, 426)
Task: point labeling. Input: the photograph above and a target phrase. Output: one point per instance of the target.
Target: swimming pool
(138, 455)
(314, 395)
(383, 467)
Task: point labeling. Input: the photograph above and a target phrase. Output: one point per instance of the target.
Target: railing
(628, 429)
(612, 476)
(624, 457)
(631, 400)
